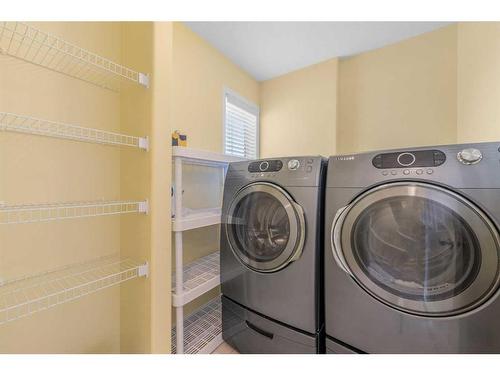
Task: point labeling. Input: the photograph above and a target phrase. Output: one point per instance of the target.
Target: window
(241, 126)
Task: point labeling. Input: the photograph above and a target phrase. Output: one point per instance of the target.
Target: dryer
(412, 250)
(271, 274)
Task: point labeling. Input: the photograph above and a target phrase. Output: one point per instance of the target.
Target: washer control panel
(270, 167)
(265, 166)
(413, 159)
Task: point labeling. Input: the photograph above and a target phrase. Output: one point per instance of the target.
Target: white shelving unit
(32, 213)
(201, 331)
(12, 122)
(35, 46)
(26, 296)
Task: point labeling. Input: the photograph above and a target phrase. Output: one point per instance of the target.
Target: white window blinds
(241, 127)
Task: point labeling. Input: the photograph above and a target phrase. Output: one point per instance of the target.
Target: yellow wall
(478, 94)
(160, 183)
(136, 172)
(201, 73)
(38, 169)
(299, 111)
(437, 88)
(145, 304)
(400, 95)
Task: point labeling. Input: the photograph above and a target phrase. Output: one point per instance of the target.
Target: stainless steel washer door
(419, 248)
(265, 228)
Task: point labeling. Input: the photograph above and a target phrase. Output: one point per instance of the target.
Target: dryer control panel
(405, 159)
(469, 165)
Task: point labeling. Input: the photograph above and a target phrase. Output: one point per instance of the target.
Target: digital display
(409, 159)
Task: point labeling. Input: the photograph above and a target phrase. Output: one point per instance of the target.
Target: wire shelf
(199, 276)
(31, 125)
(32, 213)
(202, 329)
(25, 296)
(30, 44)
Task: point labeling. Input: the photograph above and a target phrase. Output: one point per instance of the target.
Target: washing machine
(412, 250)
(271, 255)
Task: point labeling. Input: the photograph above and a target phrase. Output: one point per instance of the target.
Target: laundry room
(382, 114)
(246, 187)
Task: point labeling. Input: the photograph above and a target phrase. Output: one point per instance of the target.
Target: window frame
(249, 107)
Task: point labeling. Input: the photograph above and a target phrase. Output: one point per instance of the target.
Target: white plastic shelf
(31, 125)
(26, 296)
(30, 44)
(199, 335)
(199, 277)
(201, 157)
(197, 219)
(202, 329)
(31, 213)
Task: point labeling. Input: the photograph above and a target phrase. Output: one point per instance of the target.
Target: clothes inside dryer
(416, 247)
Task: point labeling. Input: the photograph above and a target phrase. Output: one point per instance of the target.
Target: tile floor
(225, 348)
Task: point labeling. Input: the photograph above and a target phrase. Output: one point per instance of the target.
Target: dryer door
(265, 227)
(419, 248)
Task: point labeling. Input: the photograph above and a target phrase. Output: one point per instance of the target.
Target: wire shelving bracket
(31, 125)
(25, 296)
(25, 42)
(32, 213)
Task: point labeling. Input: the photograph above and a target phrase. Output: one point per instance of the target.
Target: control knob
(469, 156)
(293, 164)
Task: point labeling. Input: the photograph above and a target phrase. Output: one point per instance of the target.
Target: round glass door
(265, 227)
(419, 248)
